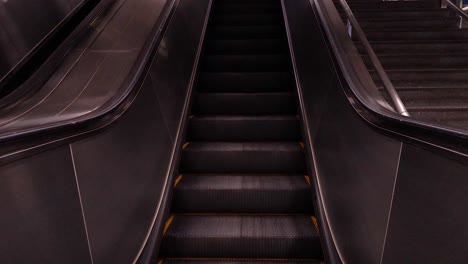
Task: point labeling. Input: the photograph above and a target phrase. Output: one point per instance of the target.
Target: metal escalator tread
(246, 63)
(244, 128)
(243, 157)
(242, 236)
(242, 195)
(244, 104)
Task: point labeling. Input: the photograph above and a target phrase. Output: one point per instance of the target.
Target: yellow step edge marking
(314, 221)
(307, 178)
(168, 223)
(185, 145)
(160, 261)
(301, 144)
(177, 180)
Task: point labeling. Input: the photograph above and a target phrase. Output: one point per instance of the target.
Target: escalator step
(246, 63)
(227, 157)
(242, 236)
(248, 20)
(244, 104)
(246, 46)
(248, 1)
(228, 193)
(244, 128)
(253, 32)
(245, 82)
(246, 8)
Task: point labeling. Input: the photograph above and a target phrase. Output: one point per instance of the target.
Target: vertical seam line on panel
(81, 204)
(391, 203)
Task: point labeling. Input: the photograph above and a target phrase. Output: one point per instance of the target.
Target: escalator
(243, 194)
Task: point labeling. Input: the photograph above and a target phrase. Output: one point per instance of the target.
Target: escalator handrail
(388, 85)
(356, 77)
(44, 45)
(104, 115)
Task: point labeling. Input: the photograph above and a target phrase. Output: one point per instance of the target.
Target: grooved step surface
(244, 128)
(253, 82)
(246, 46)
(238, 32)
(225, 157)
(244, 104)
(200, 236)
(242, 193)
(246, 63)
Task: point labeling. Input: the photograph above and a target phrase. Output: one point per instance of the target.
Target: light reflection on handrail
(390, 89)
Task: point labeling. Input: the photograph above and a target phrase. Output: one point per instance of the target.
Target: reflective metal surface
(41, 218)
(23, 24)
(429, 211)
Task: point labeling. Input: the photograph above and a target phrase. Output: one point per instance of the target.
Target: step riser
(265, 63)
(243, 201)
(279, 248)
(244, 130)
(248, 20)
(273, 46)
(234, 33)
(243, 162)
(245, 83)
(228, 104)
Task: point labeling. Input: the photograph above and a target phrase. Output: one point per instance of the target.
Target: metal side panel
(120, 173)
(41, 219)
(429, 212)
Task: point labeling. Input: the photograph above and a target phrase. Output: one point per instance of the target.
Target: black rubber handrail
(45, 47)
